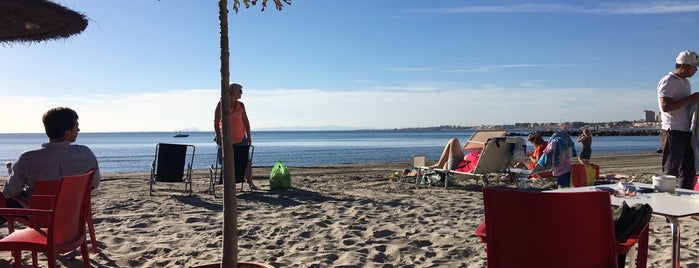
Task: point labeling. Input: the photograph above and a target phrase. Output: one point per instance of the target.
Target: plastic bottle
(523, 179)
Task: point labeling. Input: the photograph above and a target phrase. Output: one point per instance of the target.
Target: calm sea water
(134, 152)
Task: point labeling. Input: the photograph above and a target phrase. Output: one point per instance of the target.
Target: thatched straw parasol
(37, 20)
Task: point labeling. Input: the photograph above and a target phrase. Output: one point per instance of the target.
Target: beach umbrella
(37, 20)
(229, 256)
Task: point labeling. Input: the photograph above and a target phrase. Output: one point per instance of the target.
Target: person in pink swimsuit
(453, 158)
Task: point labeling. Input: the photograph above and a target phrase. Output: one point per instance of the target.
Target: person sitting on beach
(453, 158)
(55, 159)
(556, 157)
(539, 145)
(240, 126)
(586, 139)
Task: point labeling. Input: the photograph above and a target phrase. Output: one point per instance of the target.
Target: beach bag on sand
(279, 178)
(583, 175)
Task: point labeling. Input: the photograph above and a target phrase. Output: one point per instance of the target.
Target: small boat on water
(180, 135)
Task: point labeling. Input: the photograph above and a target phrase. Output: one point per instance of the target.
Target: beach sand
(335, 216)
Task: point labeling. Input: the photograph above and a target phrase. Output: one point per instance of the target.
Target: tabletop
(682, 203)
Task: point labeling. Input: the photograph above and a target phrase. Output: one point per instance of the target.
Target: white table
(682, 203)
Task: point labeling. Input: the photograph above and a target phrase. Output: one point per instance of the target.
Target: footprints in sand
(359, 228)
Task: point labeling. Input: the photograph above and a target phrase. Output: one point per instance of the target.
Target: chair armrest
(636, 237)
(640, 237)
(26, 216)
(624, 247)
(25, 212)
(480, 232)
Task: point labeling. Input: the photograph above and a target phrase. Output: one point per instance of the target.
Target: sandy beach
(335, 216)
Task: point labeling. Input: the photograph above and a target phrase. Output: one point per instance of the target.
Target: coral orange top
(237, 126)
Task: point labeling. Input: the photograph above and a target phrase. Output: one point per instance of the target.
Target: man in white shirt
(57, 158)
(675, 100)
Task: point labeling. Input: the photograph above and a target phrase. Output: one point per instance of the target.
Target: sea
(135, 151)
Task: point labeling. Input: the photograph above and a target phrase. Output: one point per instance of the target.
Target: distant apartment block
(649, 116)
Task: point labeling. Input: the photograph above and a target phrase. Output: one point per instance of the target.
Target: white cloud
(493, 68)
(410, 69)
(518, 8)
(377, 109)
(656, 7)
(636, 8)
(166, 111)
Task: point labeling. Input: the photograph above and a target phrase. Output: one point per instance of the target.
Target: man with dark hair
(59, 120)
(55, 159)
(675, 99)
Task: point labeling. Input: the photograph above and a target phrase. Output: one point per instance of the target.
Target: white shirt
(51, 162)
(676, 88)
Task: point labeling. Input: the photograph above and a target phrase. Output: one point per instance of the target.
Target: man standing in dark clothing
(675, 99)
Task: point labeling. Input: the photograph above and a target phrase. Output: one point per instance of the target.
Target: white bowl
(664, 183)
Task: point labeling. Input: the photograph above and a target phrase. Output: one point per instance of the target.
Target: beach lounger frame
(477, 141)
(170, 165)
(494, 158)
(480, 137)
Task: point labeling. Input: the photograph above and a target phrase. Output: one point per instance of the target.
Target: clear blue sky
(147, 65)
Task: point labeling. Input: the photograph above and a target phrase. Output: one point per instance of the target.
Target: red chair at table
(532, 229)
(65, 230)
(49, 188)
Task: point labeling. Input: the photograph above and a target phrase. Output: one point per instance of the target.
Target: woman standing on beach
(586, 139)
(240, 126)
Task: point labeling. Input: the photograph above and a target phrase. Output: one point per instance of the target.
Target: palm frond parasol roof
(37, 20)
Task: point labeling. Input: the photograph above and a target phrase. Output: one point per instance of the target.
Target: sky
(147, 65)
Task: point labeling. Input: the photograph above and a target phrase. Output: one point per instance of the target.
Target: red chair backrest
(530, 229)
(46, 187)
(68, 223)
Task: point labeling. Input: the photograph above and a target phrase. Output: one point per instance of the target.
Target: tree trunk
(229, 256)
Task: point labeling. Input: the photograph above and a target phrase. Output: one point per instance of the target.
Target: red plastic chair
(49, 188)
(531, 229)
(66, 224)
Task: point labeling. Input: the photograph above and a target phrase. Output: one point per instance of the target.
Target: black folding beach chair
(170, 164)
(243, 158)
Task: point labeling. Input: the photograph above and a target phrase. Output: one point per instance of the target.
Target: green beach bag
(279, 178)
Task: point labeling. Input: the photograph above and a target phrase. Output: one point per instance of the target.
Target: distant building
(523, 125)
(648, 116)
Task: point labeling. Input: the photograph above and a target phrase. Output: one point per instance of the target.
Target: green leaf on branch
(278, 3)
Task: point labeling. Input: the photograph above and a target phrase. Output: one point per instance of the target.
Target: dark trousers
(678, 156)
